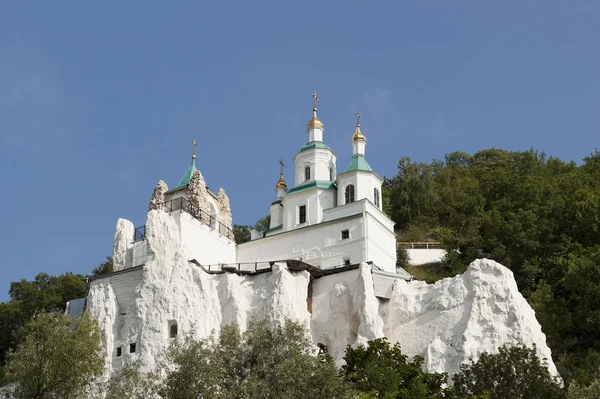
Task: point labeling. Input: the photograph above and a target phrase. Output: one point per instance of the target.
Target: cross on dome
(194, 145)
(358, 134)
(314, 122)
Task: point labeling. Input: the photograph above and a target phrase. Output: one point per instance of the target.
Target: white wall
(319, 160)
(364, 185)
(381, 243)
(422, 256)
(319, 245)
(205, 245)
(315, 199)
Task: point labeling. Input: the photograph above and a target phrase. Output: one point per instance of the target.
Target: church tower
(315, 170)
(276, 209)
(358, 180)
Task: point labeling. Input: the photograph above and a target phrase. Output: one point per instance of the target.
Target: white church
(326, 219)
(327, 260)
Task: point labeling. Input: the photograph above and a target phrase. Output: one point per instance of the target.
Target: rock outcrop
(447, 323)
(225, 213)
(158, 196)
(198, 198)
(122, 244)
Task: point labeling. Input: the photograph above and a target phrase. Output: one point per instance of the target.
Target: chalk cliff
(447, 322)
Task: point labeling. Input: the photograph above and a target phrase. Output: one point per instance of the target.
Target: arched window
(173, 330)
(376, 197)
(307, 173)
(349, 193)
(330, 174)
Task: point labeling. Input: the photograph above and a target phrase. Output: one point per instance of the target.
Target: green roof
(315, 144)
(277, 201)
(358, 163)
(312, 184)
(185, 180)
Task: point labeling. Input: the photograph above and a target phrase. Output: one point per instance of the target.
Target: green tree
(105, 267)
(263, 223)
(263, 362)
(44, 294)
(382, 371)
(58, 358)
(241, 233)
(591, 391)
(515, 372)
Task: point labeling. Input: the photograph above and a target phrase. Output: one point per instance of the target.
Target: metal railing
(182, 204)
(419, 245)
(244, 267)
(140, 233)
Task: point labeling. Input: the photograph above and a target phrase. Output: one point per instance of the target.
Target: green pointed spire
(358, 163)
(185, 180)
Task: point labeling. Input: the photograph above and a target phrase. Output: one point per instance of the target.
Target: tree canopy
(537, 215)
(58, 358)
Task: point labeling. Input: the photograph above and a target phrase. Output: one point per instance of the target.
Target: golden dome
(358, 134)
(314, 122)
(281, 182)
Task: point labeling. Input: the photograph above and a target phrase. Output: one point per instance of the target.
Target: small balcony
(182, 204)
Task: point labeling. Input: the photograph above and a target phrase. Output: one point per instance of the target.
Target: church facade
(326, 219)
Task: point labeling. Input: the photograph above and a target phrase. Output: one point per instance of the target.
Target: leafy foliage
(44, 294)
(382, 371)
(104, 268)
(515, 372)
(537, 215)
(242, 232)
(261, 363)
(58, 358)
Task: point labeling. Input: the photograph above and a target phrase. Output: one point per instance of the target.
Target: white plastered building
(327, 219)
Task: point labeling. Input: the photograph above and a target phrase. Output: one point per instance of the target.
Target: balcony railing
(182, 204)
(419, 245)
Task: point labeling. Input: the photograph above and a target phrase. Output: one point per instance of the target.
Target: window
(345, 234)
(132, 348)
(119, 351)
(330, 174)
(376, 197)
(173, 330)
(347, 262)
(349, 193)
(302, 214)
(307, 173)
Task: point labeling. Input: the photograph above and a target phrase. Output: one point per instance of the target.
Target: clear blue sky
(99, 100)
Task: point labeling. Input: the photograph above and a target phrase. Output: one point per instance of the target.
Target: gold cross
(281, 165)
(315, 99)
(194, 145)
(357, 118)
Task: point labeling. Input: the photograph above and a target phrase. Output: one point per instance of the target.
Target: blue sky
(99, 101)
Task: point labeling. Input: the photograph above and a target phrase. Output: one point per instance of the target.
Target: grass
(430, 272)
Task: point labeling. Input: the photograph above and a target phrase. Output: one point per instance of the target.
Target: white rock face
(122, 247)
(459, 318)
(447, 323)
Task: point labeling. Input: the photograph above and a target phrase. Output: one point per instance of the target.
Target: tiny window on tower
(347, 262)
(345, 234)
(119, 351)
(132, 348)
(307, 173)
(302, 214)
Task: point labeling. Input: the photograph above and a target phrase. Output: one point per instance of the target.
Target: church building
(326, 218)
